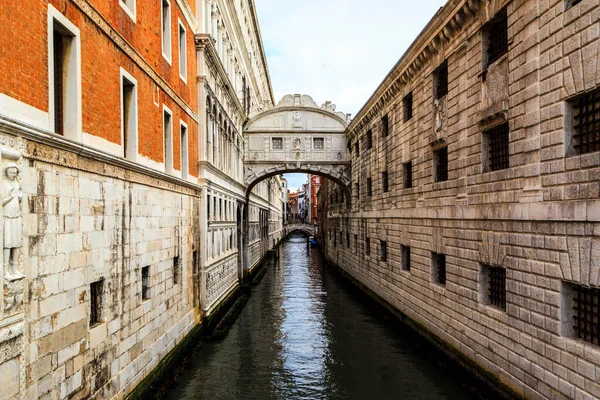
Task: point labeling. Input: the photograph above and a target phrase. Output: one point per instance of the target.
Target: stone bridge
(306, 228)
(298, 136)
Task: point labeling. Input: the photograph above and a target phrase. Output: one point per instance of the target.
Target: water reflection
(304, 335)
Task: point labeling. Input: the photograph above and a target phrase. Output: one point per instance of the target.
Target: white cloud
(338, 50)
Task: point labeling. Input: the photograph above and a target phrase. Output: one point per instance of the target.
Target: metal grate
(407, 174)
(369, 139)
(277, 143)
(385, 182)
(497, 32)
(498, 147)
(586, 122)
(441, 76)
(383, 249)
(96, 293)
(319, 143)
(385, 126)
(405, 262)
(439, 264)
(58, 83)
(369, 187)
(407, 103)
(441, 167)
(586, 314)
(497, 287)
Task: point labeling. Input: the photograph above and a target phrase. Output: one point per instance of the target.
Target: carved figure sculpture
(11, 202)
(297, 120)
(438, 108)
(14, 295)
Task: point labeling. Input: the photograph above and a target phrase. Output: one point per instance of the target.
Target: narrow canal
(306, 334)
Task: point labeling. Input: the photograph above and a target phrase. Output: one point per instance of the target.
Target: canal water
(306, 333)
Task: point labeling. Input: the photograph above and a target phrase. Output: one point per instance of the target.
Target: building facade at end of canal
(471, 207)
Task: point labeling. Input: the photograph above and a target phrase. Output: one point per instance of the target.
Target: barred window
(384, 181)
(145, 283)
(407, 105)
(319, 143)
(96, 301)
(369, 187)
(441, 164)
(277, 143)
(586, 122)
(405, 261)
(493, 286)
(407, 175)
(495, 34)
(368, 246)
(496, 148)
(583, 312)
(369, 139)
(383, 250)
(438, 273)
(385, 126)
(176, 271)
(357, 189)
(441, 80)
(356, 149)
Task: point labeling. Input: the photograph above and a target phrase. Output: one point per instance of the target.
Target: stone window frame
(569, 308)
(165, 31)
(129, 133)
(488, 30)
(72, 119)
(167, 139)
(407, 175)
(184, 152)
(437, 156)
(176, 270)
(485, 286)
(129, 6)
(437, 73)
(146, 283)
(369, 138)
(383, 251)
(182, 50)
(407, 107)
(97, 302)
(385, 126)
(486, 147)
(385, 182)
(439, 269)
(405, 258)
(570, 129)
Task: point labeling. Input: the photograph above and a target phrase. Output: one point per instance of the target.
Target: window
(438, 264)
(440, 81)
(182, 53)
(383, 250)
(405, 260)
(440, 158)
(319, 143)
(357, 189)
(145, 283)
(493, 286)
(585, 111)
(277, 143)
(334, 238)
(64, 72)
(495, 150)
(96, 301)
(571, 3)
(176, 271)
(495, 38)
(368, 246)
(407, 175)
(407, 106)
(385, 126)
(384, 182)
(129, 115)
(195, 262)
(183, 150)
(356, 149)
(369, 139)
(347, 239)
(129, 7)
(167, 140)
(581, 311)
(166, 29)
(355, 243)
(369, 187)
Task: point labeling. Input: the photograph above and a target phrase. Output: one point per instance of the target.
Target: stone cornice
(104, 26)
(262, 48)
(204, 43)
(441, 29)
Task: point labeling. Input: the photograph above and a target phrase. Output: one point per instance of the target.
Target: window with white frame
(166, 29)
(129, 116)
(64, 73)
(183, 146)
(129, 7)
(168, 139)
(182, 53)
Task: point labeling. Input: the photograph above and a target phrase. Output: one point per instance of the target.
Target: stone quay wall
(533, 220)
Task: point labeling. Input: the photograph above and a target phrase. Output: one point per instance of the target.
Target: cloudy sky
(338, 50)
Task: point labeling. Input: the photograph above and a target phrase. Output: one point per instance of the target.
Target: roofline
(262, 48)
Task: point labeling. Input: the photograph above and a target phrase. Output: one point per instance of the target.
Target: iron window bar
(498, 147)
(408, 180)
(497, 37)
(586, 122)
(442, 164)
(385, 126)
(408, 107)
(442, 80)
(497, 287)
(385, 181)
(586, 315)
(369, 139)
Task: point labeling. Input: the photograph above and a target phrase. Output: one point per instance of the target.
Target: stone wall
(536, 220)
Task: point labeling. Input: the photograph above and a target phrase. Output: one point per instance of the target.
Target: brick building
(474, 206)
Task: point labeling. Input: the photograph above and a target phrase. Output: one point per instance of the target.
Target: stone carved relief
(297, 144)
(438, 112)
(297, 120)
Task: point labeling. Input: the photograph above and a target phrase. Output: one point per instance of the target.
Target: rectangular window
(347, 240)
(129, 115)
(182, 53)
(383, 250)
(167, 140)
(384, 182)
(441, 164)
(571, 3)
(195, 262)
(129, 7)
(407, 106)
(368, 246)
(356, 149)
(96, 302)
(493, 286)
(441, 81)
(581, 311)
(585, 111)
(277, 143)
(319, 143)
(166, 29)
(369, 187)
(176, 271)
(405, 261)
(183, 150)
(145, 283)
(355, 243)
(407, 179)
(495, 142)
(369, 139)
(438, 272)
(208, 207)
(357, 189)
(64, 72)
(334, 238)
(495, 38)
(385, 126)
